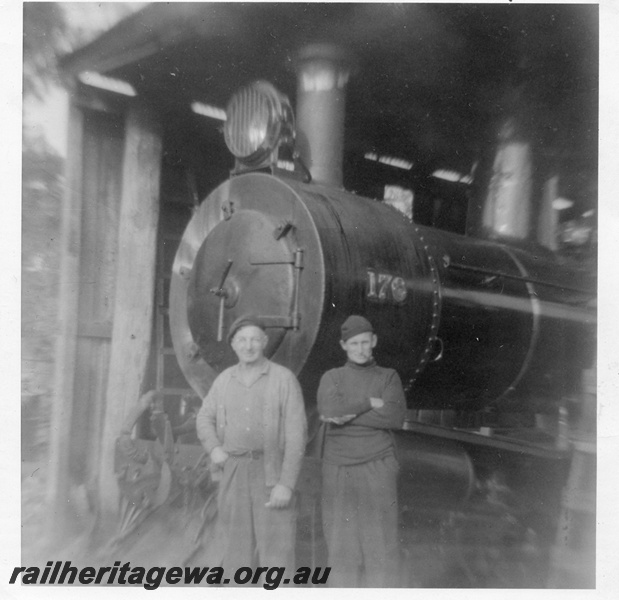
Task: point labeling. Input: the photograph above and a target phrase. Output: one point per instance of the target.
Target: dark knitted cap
(355, 325)
(244, 321)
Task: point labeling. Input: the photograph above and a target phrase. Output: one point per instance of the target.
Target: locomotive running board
(497, 441)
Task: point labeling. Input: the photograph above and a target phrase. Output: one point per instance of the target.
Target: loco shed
(491, 329)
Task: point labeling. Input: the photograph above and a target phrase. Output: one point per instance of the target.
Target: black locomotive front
(467, 323)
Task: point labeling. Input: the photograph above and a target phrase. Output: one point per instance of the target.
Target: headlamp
(258, 119)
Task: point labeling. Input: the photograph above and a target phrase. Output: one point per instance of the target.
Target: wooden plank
(101, 354)
(99, 100)
(91, 372)
(177, 391)
(102, 162)
(95, 329)
(135, 283)
(103, 142)
(143, 34)
(61, 418)
(90, 230)
(102, 191)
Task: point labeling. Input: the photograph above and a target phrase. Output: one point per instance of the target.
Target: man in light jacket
(253, 425)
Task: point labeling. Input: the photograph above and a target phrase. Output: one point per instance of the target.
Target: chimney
(322, 73)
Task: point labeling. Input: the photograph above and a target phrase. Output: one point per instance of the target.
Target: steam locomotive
(490, 338)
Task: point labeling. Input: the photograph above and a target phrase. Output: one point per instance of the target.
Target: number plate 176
(385, 287)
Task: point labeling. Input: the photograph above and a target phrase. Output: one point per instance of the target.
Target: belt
(251, 454)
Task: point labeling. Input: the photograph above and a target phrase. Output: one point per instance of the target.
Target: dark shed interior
(431, 82)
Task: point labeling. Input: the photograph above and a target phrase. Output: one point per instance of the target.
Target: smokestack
(322, 72)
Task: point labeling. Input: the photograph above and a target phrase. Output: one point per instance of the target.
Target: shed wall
(102, 187)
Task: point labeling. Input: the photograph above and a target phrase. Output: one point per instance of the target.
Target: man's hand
(377, 402)
(280, 497)
(338, 420)
(218, 456)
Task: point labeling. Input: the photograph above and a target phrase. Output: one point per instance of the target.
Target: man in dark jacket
(361, 402)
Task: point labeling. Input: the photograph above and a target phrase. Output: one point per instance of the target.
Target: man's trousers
(250, 534)
(360, 519)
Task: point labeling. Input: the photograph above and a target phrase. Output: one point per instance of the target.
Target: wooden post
(61, 420)
(135, 282)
